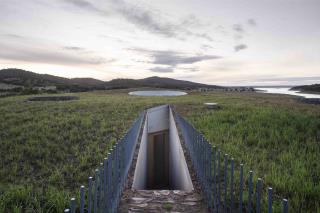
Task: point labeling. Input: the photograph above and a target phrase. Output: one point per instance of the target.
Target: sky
(225, 42)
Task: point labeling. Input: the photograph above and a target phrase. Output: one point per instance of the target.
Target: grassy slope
(48, 149)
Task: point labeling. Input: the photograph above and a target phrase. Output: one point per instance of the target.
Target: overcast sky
(225, 42)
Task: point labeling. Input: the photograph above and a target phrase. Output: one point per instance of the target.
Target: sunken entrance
(161, 162)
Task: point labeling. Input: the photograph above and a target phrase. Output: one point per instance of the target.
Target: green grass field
(48, 149)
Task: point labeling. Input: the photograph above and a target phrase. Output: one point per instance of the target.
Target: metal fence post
(105, 170)
(100, 204)
(285, 206)
(250, 191)
(214, 179)
(231, 185)
(269, 200)
(219, 180)
(225, 182)
(210, 176)
(90, 195)
(109, 180)
(241, 188)
(96, 188)
(73, 205)
(259, 190)
(82, 199)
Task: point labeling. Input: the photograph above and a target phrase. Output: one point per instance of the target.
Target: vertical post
(269, 200)
(259, 189)
(231, 185)
(225, 182)
(101, 190)
(119, 174)
(105, 170)
(285, 206)
(89, 195)
(96, 188)
(209, 160)
(241, 188)
(250, 191)
(214, 179)
(73, 205)
(109, 188)
(218, 179)
(82, 199)
(111, 179)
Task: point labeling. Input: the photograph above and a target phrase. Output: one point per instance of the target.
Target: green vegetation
(48, 149)
(167, 206)
(314, 88)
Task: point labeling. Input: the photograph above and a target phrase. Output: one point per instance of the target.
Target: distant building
(46, 88)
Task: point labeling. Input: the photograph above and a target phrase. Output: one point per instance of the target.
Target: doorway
(158, 161)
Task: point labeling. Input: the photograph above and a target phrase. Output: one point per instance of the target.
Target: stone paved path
(162, 200)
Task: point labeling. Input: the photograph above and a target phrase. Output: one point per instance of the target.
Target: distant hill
(156, 82)
(29, 79)
(308, 88)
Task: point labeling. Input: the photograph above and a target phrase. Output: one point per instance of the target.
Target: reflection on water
(157, 93)
(287, 91)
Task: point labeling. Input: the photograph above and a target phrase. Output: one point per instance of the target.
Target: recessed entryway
(161, 163)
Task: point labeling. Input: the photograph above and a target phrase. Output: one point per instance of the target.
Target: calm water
(287, 91)
(158, 93)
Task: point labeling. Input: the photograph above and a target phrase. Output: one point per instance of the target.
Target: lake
(157, 93)
(287, 91)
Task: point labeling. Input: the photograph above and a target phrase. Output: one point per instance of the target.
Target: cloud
(239, 31)
(290, 79)
(238, 28)
(147, 19)
(206, 46)
(73, 48)
(240, 47)
(252, 22)
(47, 55)
(12, 36)
(173, 58)
(189, 69)
(144, 19)
(85, 5)
(162, 69)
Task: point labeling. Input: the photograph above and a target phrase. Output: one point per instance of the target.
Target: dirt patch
(310, 100)
(53, 98)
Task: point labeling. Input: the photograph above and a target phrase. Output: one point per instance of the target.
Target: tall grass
(281, 144)
(48, 149)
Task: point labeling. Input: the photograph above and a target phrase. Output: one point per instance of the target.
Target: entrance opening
(158, 161)
(161, 164)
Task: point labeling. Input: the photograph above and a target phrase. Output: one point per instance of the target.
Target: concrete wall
(178, 169)
(140, 173)
(158, 118)
(161, 119)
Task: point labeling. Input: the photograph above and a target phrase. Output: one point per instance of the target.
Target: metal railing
(105, 188)
(217, 178)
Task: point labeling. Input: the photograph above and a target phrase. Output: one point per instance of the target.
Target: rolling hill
(308, 88)
(29, 79)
